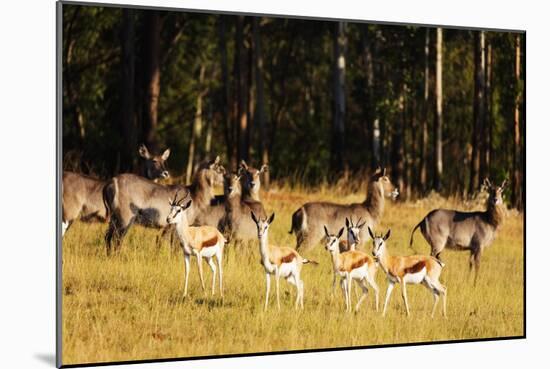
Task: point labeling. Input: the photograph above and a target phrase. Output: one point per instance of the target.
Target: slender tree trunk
(339, 97)
(477, 128)
(196, 128)
(242, 85)
(260, 103)
(517, 165)
(225, 94)
(373, 130)
(209, 129)
(398, 152)
(438, 126)
(488, 155)
(127, 111)
(250, 91)
(152, 77)
(424, 138)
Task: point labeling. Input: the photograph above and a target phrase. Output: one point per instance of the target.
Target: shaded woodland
(316, 100)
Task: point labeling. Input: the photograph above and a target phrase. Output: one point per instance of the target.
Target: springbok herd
(204, 223)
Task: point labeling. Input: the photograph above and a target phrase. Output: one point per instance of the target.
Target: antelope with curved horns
(201, 242)
(353, 265)
(280, 262)
(354, 232)
(472, 231)
(308, 220)
(413, 269)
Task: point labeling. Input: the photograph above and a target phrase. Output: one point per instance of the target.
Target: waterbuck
(237, 223)
(472, 231)
(82, 195)
(249, 186)
(309, 219)
(133, 199)
(251, 180)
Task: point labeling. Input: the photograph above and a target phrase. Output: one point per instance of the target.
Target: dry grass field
(130, 306)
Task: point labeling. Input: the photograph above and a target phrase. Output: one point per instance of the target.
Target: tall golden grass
(130, 306)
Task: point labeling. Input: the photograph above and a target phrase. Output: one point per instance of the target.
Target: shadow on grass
(209, 302)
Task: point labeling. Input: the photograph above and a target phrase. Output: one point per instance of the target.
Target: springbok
(251, 180)
(83, 197)
(237, 223)
(354, 234)
(132, 199)
(282, 262)
(413, 269)
(201, 242)
(308, 220)
(472, 231)
(353, 265)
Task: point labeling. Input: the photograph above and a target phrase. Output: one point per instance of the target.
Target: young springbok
(351, 265)
(354, 234)
(413, 269)
(282, 262)
(202, 242)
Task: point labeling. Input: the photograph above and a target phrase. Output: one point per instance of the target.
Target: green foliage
(298, 85)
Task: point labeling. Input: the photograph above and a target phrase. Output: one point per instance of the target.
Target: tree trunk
(488, 136)
(339, 97)
(225, 94)
(438, 126)
(424, 138)
(127, 111)
(260, 103)
(479, 63)
(242, 85)
(152, 77)
(516, 150)
(196, 128)
(398, 152)
(373, 130)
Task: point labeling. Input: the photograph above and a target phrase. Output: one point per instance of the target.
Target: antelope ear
(165, 154)
(362, 224)
(371, 234)
(144, 152)
(271, 218)
(326, 231)
(347, 223)
(387, 235)
(244, 165)
(170, 201)
(254, 217)
(187, 205)
(264, 168)
(340, 232)
(504, 184)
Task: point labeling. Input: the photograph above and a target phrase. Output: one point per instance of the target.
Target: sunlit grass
(130, 306)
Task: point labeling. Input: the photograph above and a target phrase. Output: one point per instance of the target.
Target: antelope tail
(307, 261)
(439, 262)
(109, 193)
(412, 233)
(298, 220)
